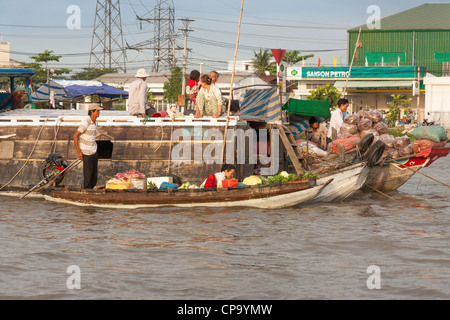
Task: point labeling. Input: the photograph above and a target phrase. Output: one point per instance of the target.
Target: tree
(295, 57)
(43, 73)
(92, 73)
(173, 87)
(261, 61)
(399, 101)
(326, 92)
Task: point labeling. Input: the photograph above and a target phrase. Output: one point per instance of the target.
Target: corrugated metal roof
(424, 17)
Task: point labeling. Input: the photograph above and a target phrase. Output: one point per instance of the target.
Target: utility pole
(185, 29)
(107, 49)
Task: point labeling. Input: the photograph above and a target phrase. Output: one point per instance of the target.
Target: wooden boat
(268, 196)
(392, 174)
(346, 182)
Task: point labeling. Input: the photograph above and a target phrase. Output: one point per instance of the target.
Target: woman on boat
(209, 99)
(227, 172)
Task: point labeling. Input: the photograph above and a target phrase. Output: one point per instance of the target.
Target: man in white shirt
(137, 100)
(86, 146)
(337, 118)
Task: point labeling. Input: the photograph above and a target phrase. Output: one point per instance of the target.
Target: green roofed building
(416, 37)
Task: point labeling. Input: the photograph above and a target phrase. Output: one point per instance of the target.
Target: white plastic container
(158, 180)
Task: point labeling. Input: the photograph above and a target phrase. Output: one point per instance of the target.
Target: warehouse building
(393, 59)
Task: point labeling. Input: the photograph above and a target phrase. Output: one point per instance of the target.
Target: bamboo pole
(232, 81)
(351, 64)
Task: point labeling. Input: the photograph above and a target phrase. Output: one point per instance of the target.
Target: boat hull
(275, 196)
(345, 183)
(392, 175)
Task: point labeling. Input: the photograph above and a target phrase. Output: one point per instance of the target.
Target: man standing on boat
(137, 100)
(337, 119)
(86, 146)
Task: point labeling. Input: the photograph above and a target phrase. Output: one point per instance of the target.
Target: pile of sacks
(429, 137)
(358, 125)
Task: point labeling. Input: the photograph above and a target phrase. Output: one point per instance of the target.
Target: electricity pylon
(107, 48)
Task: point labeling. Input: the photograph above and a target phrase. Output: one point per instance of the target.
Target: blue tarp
(67, 89)
(261, 104)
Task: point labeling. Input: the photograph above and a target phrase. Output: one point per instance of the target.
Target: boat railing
(70, 120)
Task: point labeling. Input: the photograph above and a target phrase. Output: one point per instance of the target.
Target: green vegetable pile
(281, 177)
(151, 186)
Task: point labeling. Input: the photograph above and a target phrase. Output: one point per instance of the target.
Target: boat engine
(54, 163)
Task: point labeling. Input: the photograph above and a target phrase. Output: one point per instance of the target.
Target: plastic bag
(375, 116)
(433, 133)
(381, 127)
(389, 143)
(401, 142)
(423, 144)
(363, 114)
(312, 149)
(366, 132)
(348, 129)
(390, 153)
(406, 150)
(352, 119)
(365, 124)
(349, 143)
(386, 137)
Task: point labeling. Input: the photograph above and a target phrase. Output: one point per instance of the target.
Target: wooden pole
(232, 81)
(351, 64)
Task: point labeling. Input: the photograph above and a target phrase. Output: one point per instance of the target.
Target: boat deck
(36, 117)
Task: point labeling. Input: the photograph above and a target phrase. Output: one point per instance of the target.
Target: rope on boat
(29, 157)
(56, 130)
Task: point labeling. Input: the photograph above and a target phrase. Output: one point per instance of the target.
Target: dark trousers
(90, 171)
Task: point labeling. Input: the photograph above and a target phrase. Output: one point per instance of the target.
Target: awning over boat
(311, 108)
(67, 89)
(261, 104)
(300, 111)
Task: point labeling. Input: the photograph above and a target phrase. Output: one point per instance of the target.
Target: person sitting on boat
(313, 133)
(86, 146)
(209, 99)
(193, 85)
(337, 119)
(227, 172)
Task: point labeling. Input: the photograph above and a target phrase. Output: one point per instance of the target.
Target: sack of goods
(432, 133)
(424, 144)
(349, 143)
(311, 148)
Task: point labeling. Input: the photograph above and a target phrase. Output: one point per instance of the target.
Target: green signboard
(378, 73)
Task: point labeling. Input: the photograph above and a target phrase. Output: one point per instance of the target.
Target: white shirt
(137, 100)
(336, 121)
(87, 142)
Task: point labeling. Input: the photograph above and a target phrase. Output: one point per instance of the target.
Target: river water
(370, 247)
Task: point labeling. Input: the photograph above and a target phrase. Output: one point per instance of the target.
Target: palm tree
(261, 62)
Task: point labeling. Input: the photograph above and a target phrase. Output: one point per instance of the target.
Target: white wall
(437, 101)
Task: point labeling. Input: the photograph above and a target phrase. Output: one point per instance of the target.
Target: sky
(311, 27)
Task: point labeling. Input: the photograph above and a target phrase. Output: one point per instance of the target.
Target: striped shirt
(88, 131)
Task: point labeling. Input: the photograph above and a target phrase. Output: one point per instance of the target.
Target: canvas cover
(68, 89)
